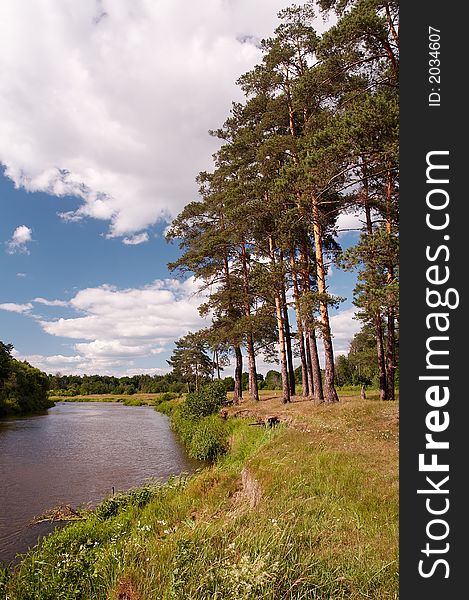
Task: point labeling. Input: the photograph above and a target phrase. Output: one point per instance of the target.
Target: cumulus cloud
(353, 221)
(16, 308)
(111, 100)
(344, 326)
(19, 240)
(114, 328)
(134, 240)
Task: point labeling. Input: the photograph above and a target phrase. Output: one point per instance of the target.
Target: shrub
(206, 401)
(166, 396)
(229, 384)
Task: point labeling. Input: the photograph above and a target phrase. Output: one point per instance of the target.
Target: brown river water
(76, 454)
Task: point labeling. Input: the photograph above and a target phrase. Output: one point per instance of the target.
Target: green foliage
(23, 388)
(360, 366)
(121, 501)
(229, 384)
(81, 560)
(86, 385)
(196, 421)
(190, 361)
(273, 380)
(168, 396)
(206, 401)
(208, 439)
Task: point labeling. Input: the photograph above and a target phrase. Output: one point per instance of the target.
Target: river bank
(305, 511)
(76, 454)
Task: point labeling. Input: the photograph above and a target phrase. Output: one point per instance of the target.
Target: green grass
(127, 400)
(285, 514)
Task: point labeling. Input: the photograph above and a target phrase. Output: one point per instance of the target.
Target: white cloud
(155, 371)
(351, 221)
(116, 328)
(111, 100)
(134, 240)
(19, 240)
(46, 302)
(344, 327)
(354, 221)
(16, 308)
(21, 274)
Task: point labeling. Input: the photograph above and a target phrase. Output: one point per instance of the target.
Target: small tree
(207, 401)
(190, 361)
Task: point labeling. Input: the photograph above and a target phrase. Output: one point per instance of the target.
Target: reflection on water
(75, 454)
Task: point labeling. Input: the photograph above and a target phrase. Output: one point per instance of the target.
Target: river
(76, 454)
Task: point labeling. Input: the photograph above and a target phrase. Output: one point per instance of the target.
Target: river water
(75, 454)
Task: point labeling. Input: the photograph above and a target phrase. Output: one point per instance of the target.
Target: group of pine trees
(316, 137)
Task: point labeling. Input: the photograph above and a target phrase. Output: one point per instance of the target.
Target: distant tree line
(85, 385)
(23, 388)
(360, 365)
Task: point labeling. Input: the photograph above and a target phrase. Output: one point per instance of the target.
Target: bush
(24, 389)
(166, 396)
(229, 384)
(206, 401)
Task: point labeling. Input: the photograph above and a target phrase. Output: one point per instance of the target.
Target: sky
(105, 108)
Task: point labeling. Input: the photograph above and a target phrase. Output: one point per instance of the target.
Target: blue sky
(104, 113)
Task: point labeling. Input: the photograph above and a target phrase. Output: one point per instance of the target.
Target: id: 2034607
(434, 72)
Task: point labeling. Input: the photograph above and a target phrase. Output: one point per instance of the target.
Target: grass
(127, 400)
(308, 511)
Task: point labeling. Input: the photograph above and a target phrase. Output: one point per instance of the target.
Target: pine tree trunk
(383, 388)
(291, 369)
(238, 389)
(299, 325)
(309, 369)
(218, 364)
(283, 354)
(253, 386)
(312, 348)
(281, 335)
(390, 356)
(316, 369)
(377, 318)
(304, 371)
(391, 322)
(330, 394)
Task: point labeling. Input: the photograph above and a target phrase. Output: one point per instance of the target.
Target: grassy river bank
(305, 510)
